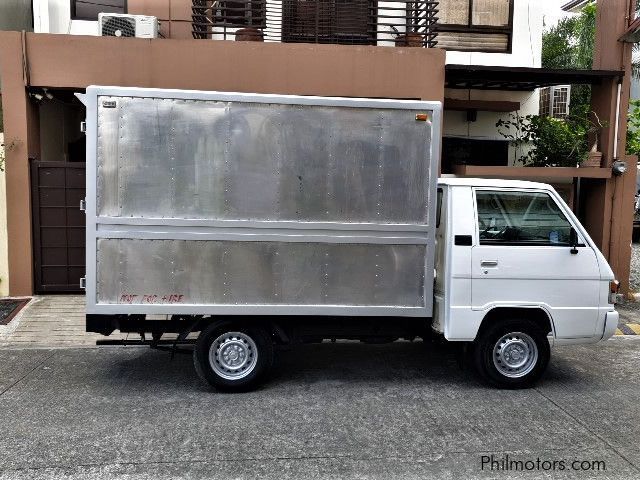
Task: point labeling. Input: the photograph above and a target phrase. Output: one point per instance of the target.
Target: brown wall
(622, 222)
(361, 71)
(64, 61)
(19, 138)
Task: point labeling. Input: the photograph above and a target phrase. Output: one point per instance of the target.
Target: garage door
(58, 226)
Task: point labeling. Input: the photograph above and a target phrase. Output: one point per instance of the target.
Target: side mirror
(573, 241)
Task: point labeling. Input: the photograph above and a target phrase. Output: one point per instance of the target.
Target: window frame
(565, 211)
(74, 16)
(470, 28)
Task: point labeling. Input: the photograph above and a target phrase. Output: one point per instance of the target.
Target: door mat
(9, 308)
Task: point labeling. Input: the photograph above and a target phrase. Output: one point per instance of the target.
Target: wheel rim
(515, 354)
(233, 355)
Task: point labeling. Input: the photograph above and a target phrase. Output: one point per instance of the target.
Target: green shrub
(633, 128)
(545, 141)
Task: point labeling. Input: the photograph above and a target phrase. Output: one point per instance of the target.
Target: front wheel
(232, 357)
(512, 354)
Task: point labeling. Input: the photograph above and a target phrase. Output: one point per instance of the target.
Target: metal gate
(58, 226)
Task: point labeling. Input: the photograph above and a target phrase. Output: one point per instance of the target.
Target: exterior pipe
(615, 180)
(617, 125)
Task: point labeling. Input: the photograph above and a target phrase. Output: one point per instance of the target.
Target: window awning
(483, 77)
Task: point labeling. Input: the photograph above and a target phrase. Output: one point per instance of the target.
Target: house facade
(481, 58)
(503, 33)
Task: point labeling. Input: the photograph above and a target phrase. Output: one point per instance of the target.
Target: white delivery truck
(257, 220)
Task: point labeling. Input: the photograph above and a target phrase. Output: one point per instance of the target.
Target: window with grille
(329, 21)
(545, 109)
(554, 101)
(360, 22)
(475, 25)
(561, 101)
(243, 13)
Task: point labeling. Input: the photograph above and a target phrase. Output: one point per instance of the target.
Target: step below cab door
(522, 256)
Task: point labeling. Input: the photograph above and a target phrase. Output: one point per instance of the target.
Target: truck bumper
(610, 325)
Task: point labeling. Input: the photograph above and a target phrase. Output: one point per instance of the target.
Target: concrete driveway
(338, 411)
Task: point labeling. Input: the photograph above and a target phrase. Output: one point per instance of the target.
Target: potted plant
(408, 39)
(249, 34)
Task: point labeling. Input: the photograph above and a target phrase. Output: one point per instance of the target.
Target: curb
(628, 329)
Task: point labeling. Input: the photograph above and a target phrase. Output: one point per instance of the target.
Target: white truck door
(522, 256)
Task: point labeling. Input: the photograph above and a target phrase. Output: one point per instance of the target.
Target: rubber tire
(264, 345)
(482, 353)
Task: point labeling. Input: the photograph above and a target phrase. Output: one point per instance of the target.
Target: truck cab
(514, 264)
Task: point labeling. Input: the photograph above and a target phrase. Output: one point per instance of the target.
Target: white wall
(54, 16)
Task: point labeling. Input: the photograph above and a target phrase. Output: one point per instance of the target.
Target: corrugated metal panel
(222, 203)
(142, 271)
(166, 158)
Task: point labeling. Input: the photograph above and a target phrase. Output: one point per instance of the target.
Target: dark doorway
(471, 151)
(58, 225)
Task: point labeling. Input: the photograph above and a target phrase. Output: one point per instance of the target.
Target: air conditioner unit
(122, 25)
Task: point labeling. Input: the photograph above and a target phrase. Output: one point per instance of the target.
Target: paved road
(330, 411)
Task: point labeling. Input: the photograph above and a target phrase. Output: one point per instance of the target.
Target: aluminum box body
(226, 203)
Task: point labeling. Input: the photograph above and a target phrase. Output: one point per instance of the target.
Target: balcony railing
(359, 22)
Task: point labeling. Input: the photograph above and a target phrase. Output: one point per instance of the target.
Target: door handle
(489, 263)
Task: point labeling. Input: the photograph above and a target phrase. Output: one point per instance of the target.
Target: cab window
(520, 218)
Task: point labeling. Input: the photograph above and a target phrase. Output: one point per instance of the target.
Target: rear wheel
(233, 357)
(512, 354)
